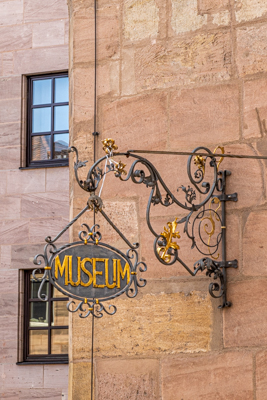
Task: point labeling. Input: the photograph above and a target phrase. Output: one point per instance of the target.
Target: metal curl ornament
(206, 180)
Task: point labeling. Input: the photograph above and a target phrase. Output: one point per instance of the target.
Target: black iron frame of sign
(199, 225)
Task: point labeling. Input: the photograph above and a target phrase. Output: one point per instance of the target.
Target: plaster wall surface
(174, 75)
(33, 202)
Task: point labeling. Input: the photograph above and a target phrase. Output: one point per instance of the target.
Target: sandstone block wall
(174, 75)
(33, 40)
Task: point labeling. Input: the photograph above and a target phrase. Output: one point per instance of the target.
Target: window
(48, 120)
(45, 323)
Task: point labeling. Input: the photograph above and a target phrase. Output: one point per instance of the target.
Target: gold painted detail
(223, 227)
(169, 234)
(96, 301)
(65, 270)
(109, 146)
(96, 241)
(85, 301)
(221, 159)
(47, 268)
(200, 162)
(119, 168)
(85, 241)
(210, 232)
(133, 273)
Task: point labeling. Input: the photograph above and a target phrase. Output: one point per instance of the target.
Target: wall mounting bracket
(204, 217)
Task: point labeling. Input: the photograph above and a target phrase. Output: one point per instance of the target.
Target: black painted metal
(142, 171)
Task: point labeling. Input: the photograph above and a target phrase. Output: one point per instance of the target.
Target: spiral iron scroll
(201, 215)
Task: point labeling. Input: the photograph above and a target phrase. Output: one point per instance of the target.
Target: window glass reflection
(61, 90)
(61, 118)
(42, 91)
(38, 342)
(41, 120)
(60, 314)
(61, 145)
(59, 341)
(38, 314)
(41, 148)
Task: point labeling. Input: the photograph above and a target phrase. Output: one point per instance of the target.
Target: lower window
(45, 323)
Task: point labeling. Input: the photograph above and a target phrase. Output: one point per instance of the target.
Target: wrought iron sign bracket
(202, 218)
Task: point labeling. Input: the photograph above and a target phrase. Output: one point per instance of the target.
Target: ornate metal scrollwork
(199, 200)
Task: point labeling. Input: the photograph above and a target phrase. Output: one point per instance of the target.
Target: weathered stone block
(44, 205)
(127, 379)
(145, 332)
(212, 6)
(7, 63)
(11, 12)
(83, 86)
(261, 379)
(10, 134)
(248, 310)
(79, 384)
(123, 118)
(250, 190)
(40, 228)
(251, 55)
(9, 207)
(247, 10)
(34, 12)
(107, 35)
(15, 37)
(204, 58)
(57, 180)
(186, 17)
(56, 376)
(42, 394)
(191, 125)
(255, 245)
(26, 181)
(201, 377)
(22, 255)
(15, 376)
(141, 19)
(10, 88)
(255, 108)
(10, 110)
(14, 231)
(46, 34)
(5, 257)
(41, 59)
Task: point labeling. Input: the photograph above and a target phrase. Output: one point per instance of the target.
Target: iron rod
(188, 153)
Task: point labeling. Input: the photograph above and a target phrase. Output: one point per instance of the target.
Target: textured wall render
(184, 74)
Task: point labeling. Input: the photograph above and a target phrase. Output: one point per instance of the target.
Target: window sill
(42, 362)
(44, 166)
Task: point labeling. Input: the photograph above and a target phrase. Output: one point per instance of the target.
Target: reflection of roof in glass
(40, 148)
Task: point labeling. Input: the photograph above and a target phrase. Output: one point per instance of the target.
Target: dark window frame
(51, 162)
(40, 358)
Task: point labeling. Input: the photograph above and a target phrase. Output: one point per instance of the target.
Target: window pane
(41, 120)
(61, 90)
(59, 341)
(41, 148)
(35, 286)
(42, 91)
(38, 314)
(60, 314)
(61, 118)
(61, 144)
(38, 342)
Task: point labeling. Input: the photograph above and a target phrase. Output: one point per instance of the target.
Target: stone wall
(33, 202)
(173, 75)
